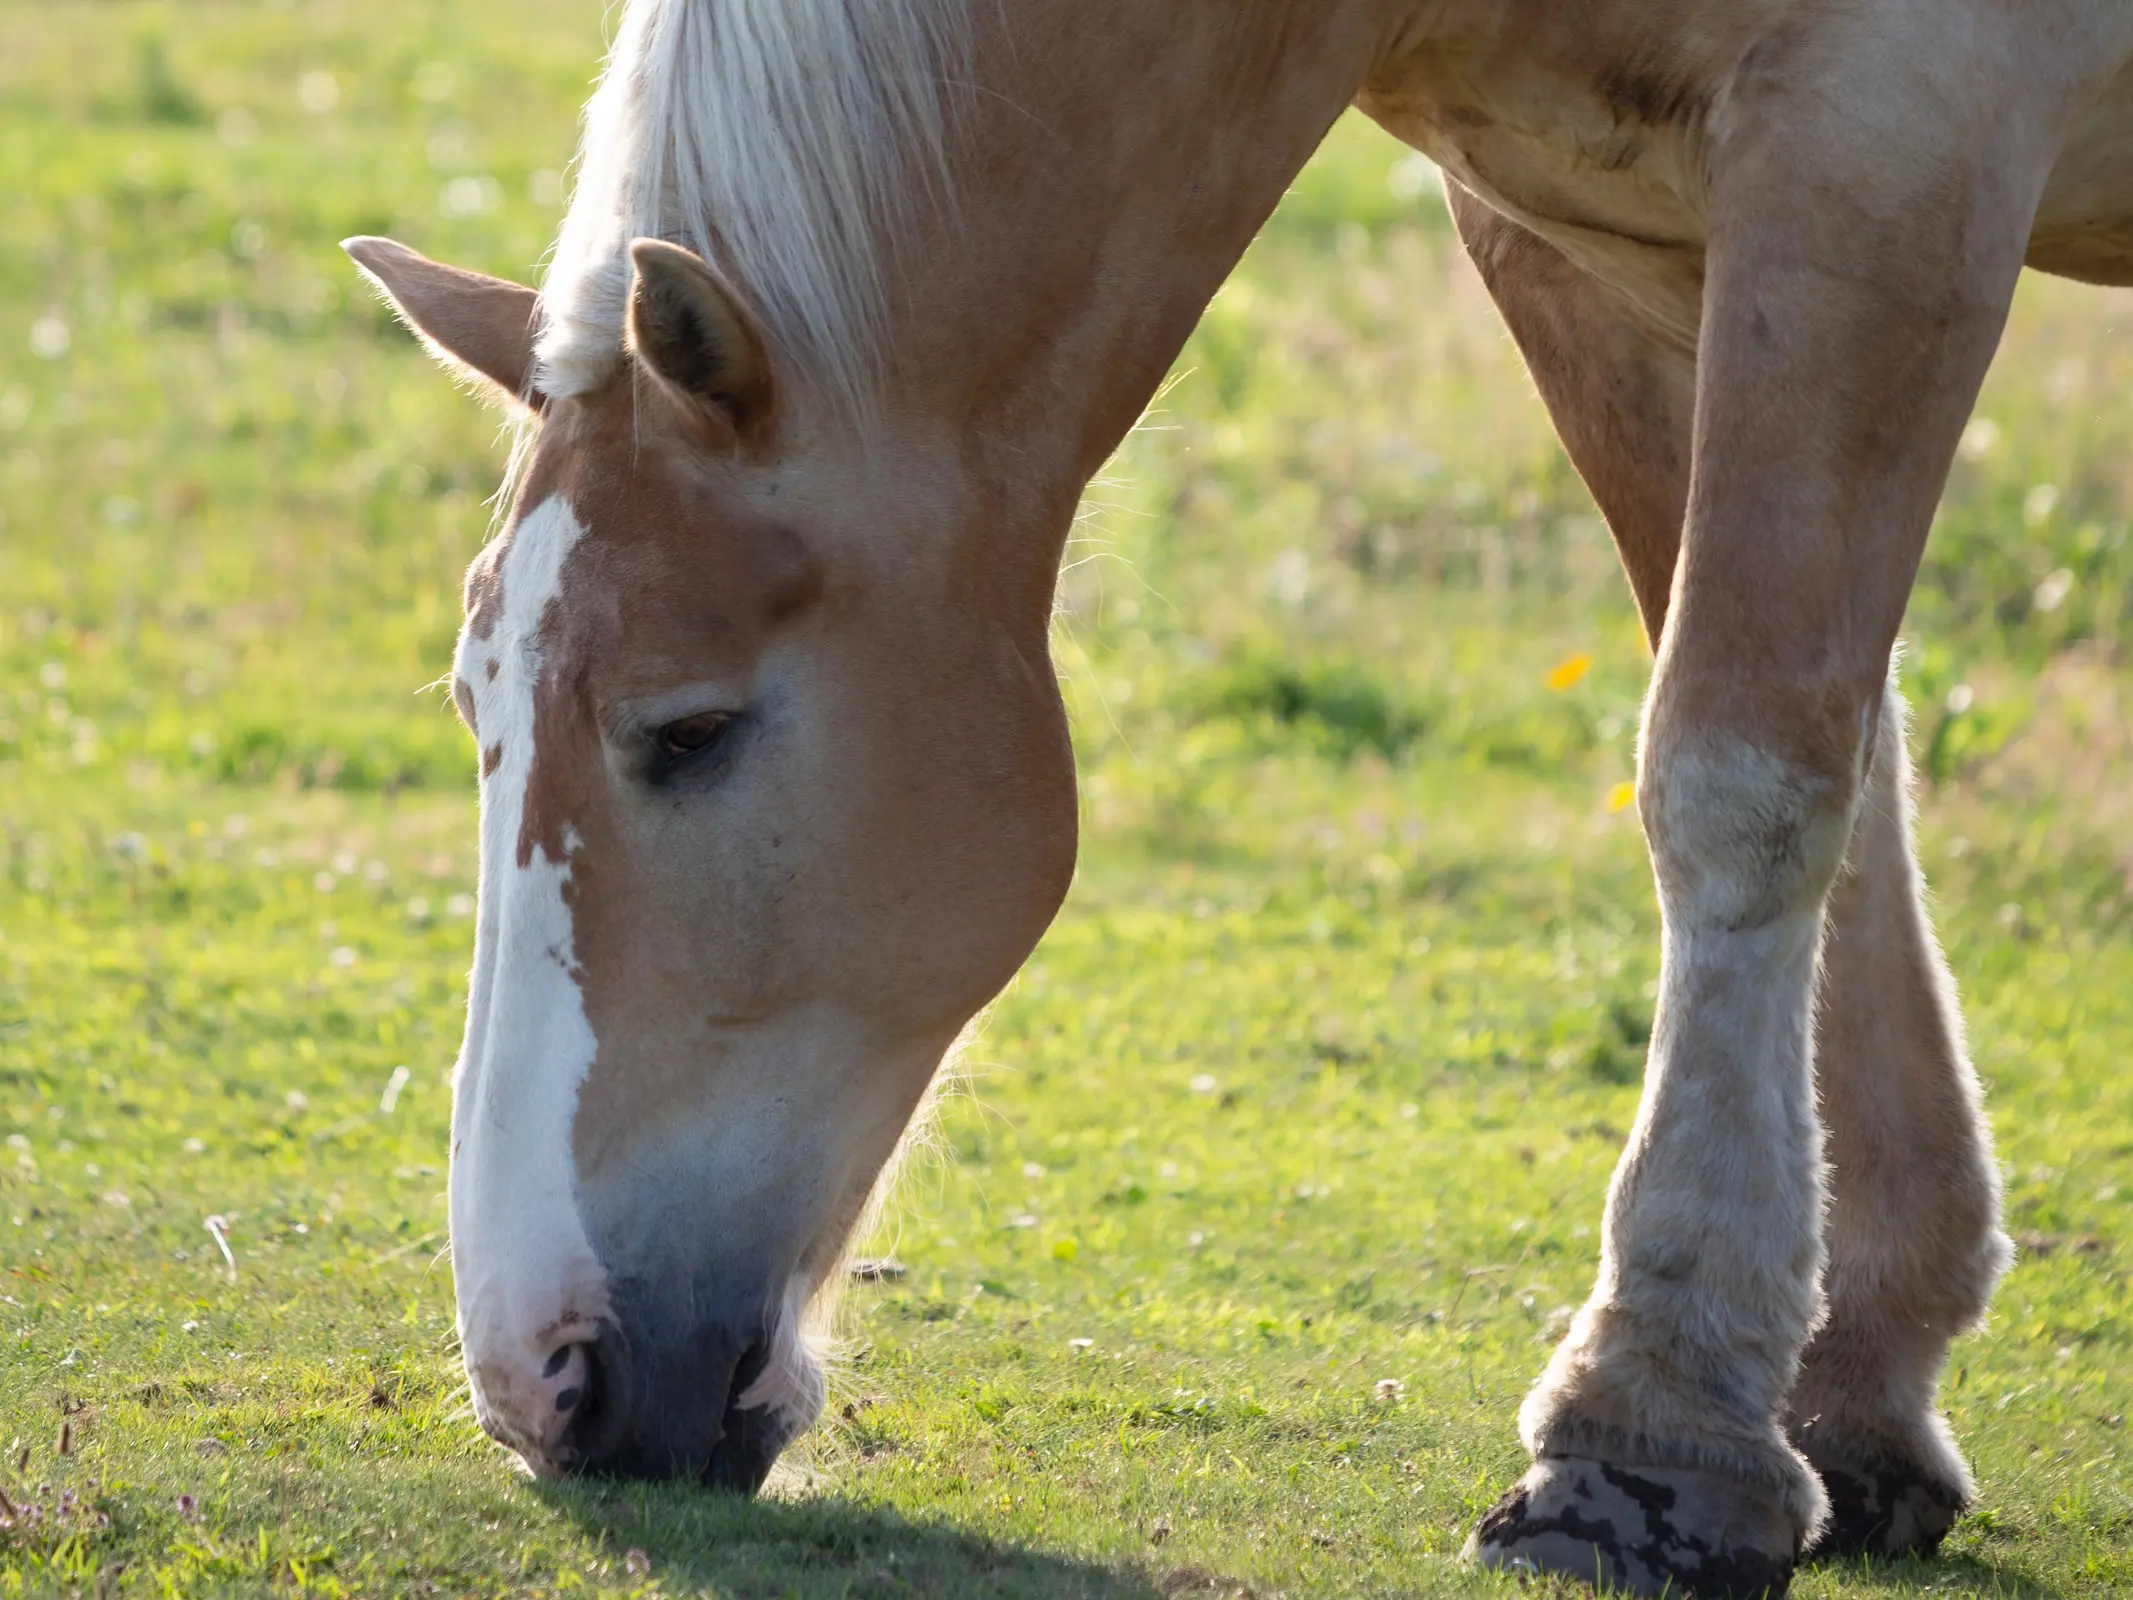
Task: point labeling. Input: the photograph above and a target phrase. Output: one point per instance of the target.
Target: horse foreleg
(1836, 369)
(1639, 1478)
(1912, 1228)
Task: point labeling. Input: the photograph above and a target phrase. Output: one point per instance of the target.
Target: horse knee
(1747, 830)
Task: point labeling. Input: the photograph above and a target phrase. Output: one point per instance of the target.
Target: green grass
(1316, 1083)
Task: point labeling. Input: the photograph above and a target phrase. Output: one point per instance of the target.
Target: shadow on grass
(1943, 1574)
(827, 1549)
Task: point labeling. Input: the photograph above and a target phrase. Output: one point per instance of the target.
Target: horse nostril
(566, 1379)
(592, 1399)
(749, 1368)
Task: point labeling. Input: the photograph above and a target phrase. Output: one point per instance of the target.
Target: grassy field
(1275, 1173)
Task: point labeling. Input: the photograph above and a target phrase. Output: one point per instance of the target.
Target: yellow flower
(1569, 671)
(1621, 797)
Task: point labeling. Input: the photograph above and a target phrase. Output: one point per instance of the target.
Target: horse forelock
(794, 141)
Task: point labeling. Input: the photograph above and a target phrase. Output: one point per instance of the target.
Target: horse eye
(692, 734)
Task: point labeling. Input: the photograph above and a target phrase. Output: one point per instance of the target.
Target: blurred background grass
(219, 483)
(1316, 1082)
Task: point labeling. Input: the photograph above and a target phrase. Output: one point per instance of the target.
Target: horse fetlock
(1863, 1415)
(1648, 1530)
(1876, 1358)
(1622, 1390)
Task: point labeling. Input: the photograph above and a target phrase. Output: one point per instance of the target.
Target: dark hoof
(1646, 1530)
(1888, 1509)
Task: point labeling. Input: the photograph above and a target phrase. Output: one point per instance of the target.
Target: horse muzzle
(667, 1396)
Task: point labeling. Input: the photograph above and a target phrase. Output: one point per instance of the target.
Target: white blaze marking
(525, 1269)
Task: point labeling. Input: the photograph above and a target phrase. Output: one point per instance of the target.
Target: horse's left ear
(478, 326)
(694, 334)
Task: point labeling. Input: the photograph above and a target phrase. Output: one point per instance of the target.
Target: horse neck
(1113, 163)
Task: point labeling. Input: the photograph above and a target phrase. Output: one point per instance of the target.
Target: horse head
(776, 794)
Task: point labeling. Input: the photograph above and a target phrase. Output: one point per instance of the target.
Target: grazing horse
(776, 792)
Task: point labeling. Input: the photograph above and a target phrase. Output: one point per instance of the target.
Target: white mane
(789, 140)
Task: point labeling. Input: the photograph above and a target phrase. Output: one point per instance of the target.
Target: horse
(849, 304)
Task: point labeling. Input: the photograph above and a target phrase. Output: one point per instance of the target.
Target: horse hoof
(1885, 1507)
(1645, 1530)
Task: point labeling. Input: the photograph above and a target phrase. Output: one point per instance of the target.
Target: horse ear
(692, 332)
(478, 326)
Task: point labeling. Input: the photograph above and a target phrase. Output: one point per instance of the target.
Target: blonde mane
(791, 141)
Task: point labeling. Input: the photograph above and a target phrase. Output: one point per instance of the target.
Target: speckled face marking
(531, 1289)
